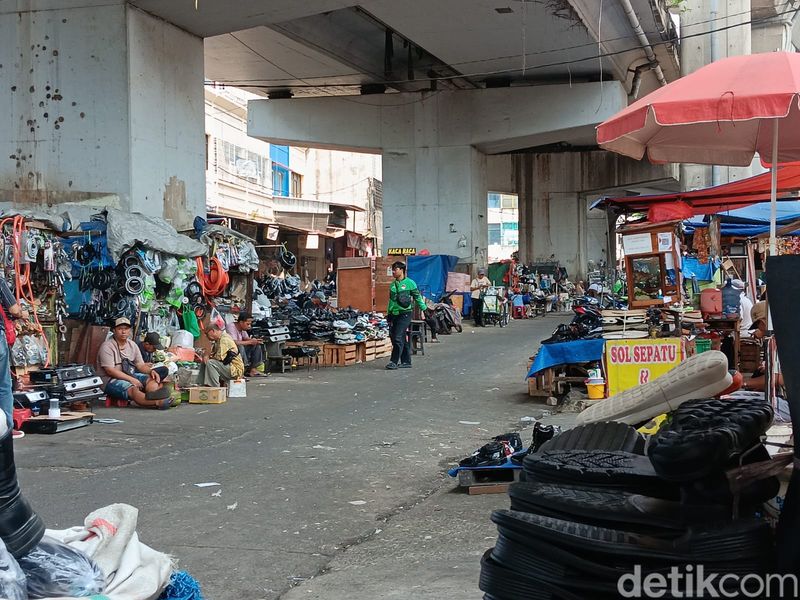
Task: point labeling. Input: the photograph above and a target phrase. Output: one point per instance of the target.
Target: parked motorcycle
(445, 316)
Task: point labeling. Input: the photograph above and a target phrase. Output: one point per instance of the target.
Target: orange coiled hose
(217, 279)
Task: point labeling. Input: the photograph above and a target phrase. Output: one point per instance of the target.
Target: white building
(503, 220)
(313, 197)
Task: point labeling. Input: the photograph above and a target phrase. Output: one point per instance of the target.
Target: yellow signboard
(401, 251)
(635, 362)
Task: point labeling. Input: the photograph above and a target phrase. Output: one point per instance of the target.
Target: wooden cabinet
(355, 283)
(652, 264)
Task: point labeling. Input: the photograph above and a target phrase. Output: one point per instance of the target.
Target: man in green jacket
(403, 293)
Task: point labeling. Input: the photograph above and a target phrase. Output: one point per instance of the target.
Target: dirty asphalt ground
(333, 482)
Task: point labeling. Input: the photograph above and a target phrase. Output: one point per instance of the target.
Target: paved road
(331, 481)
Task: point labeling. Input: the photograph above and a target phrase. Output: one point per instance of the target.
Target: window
(235, 163)
(297, 185)
(494, 200)
(514, 226)
(509, 201)
(280, 181)
(495, 235)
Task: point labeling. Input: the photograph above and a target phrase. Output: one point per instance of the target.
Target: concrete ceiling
(320, 47)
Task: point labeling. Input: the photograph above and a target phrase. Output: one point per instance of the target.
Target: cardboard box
(237, 388)
(207, 395)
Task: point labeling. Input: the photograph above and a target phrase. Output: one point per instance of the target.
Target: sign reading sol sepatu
(401, 251)
(635, 362)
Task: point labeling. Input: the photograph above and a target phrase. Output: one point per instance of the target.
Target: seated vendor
(224, 364)
(125, 373)
(757, 381)
(150, 343)
(250, 348)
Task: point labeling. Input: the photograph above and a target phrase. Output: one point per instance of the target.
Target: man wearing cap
(150, 343)
(745, 306)
(125, 373)
(757, 381)
(479, 285)
(249, 347)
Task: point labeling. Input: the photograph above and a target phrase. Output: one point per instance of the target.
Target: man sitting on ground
(125, 373)
(150, 343)
(224, 364)
(249, 348)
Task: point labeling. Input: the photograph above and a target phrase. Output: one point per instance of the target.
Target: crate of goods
(340, 355)
(207, 395)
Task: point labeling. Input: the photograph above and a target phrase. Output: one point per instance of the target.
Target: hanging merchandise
(217, 279)
(190, 323)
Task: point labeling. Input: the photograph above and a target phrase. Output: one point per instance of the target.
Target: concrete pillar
(556, 191)
(102, 103)
(733, 39)
(434, 147)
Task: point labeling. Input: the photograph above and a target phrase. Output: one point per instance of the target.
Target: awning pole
(773, 192)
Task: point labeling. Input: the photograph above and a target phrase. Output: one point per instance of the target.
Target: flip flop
(699, 376)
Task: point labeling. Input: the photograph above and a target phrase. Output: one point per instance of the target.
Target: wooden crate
(383, 348)
(488, 481)
(340, 355)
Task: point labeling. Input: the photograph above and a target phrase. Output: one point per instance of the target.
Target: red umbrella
(721, 114)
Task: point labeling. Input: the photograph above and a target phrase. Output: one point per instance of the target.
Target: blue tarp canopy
(751, 220)
(430, 273)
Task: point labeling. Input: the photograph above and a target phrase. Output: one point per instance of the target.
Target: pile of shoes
(508, 448)
(601, 501)
(343, 333)
(625, 324)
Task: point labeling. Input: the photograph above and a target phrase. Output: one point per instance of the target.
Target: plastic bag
(54, 570)
(182, 338)
(190, 323)
(169, 268)
(13, 585)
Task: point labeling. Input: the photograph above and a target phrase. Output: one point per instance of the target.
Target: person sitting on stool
(250, 348)
(125, 373)
(224, 364)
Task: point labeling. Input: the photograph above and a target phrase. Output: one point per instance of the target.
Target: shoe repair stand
(552, 383)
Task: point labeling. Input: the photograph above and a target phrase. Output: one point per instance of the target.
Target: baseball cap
(122, 321)
(320, 296)
(155, 339)
(737, 284)
(481, 271)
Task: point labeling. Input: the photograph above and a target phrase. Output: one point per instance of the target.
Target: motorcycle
(445, 316)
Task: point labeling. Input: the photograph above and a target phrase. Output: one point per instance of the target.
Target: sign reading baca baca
(401, 251)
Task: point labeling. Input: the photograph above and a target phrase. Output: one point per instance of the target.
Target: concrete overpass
(104, 103)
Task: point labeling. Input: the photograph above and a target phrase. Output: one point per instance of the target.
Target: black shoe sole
(704, 435)
(602, 469)
(613, 509)
(739, 541)
(598, 436)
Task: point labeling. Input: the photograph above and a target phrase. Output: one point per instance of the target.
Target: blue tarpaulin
(567, 353)
(430, 273)
(751, 220)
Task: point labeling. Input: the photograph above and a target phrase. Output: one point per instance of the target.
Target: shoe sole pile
(699, 376)
(593, 506)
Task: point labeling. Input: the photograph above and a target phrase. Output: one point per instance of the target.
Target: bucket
(597, 391)
(702, 345)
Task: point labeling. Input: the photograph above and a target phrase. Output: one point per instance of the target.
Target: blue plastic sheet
(430, 273)
(567, 353)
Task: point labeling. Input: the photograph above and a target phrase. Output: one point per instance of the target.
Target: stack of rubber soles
(600, 499)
